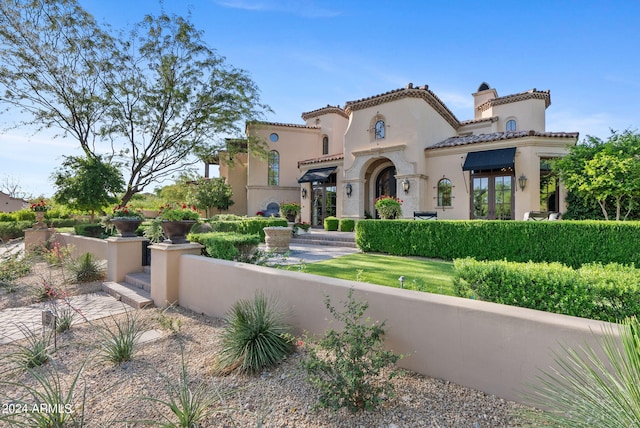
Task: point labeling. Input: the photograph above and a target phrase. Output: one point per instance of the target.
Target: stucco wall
(493, 348)
(83, 244)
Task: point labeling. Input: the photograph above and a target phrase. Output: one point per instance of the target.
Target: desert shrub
(331, 223)
(348, 370)
(227, 246)
(11, 268)
(255, 336)
(347, 224)
(33, 351)
(607, 293)
(120, 342)
(593, 386)
(86, 268)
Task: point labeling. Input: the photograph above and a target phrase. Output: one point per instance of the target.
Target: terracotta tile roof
(497, 136)
(408, 92)
(325, 158)
(486, 119)
(324, 110)
(288, 125)
(527, 95)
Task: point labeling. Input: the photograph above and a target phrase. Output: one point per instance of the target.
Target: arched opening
(386, 184)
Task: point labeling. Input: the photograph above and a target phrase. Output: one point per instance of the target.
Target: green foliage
(34, 352)
(62, 222)
(247, 225)
(152, 230)
(65, 314)
(91, 230)
(388, 207)
(208, 193)
(87, 183)
(173, 212)
(331, 223)
(289, 208)
(86, 268)
(255, 337)
(49, 390)
(572, 243)
(607, 293)
(120, 342)
(169, 322)
(592, 386)
(227, 245)
(347, 224)
(13, 229)
(347, 372)
(13, 267)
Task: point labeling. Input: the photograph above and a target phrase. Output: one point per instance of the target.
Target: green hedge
(331, 223)
(248, 226)
(13, 229)
(92, 230)
(572, 243)
(602, 292)
(227, 245)
(347, 225)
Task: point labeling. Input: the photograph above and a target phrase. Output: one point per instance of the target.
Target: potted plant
(40, 208)
(125, 220)
(177, 221)
(290, 210)
(388, 207)
(301, 228)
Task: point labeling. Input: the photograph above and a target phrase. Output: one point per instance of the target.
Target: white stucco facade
(406, 143)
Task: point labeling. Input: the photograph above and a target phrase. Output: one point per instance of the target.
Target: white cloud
(306, 8)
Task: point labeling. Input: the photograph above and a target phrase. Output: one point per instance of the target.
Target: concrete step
(334, 239)
(139, 279)
(128, 294)
(324, 242)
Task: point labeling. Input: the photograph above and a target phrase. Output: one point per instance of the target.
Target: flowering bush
(39, 206)
(304, 225)
(260, 213)
(389, 207)
(171, 212)
(124, 212)
(289, 208)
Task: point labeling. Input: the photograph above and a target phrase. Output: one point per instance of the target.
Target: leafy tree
(87, 184)
(151, 99)
(207, 193)
(604, 171)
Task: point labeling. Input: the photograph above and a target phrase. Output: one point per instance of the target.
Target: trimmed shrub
(572, 243)
(607, 293)
(331, 223)
(227, 245)
(248, 225)
(347, 224)
(91, 230)
(13, 229)
(62, 222)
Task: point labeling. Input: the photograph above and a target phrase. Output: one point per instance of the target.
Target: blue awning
(490, 159)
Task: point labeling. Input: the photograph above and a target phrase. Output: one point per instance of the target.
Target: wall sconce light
(522, 182)
(304, 193)
(406, 185)
(349, 189)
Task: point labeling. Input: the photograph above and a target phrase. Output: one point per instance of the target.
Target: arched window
(444, 192)
(325, 145)
(273, 165)
(379, 129)
(511, 125)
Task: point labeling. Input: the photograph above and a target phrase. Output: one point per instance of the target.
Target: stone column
(124, 255)
(165, 271)
(35, 237)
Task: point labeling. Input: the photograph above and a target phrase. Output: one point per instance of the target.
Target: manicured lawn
(420, 274)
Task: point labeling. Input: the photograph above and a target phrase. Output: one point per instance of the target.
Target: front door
(386, 183)
(323, 197)
(492, 197)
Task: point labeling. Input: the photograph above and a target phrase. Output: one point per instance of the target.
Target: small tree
(604, 170)
(207, 193)
(87, 184)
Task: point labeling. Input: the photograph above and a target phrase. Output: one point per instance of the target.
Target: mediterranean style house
(406, 143)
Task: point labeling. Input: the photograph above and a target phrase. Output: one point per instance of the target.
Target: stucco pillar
(124, 255)
(165, 271)
(34, 238)
(352, 207)
(412, 199)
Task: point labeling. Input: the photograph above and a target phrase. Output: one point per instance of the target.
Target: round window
(274, 137)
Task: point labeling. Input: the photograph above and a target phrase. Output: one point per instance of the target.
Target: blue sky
(305, 54)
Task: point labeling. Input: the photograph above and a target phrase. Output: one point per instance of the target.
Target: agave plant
(593, 386)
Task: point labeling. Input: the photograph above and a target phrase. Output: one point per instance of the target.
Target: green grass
(420, 274)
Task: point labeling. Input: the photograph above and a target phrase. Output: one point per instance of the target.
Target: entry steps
(134, 291)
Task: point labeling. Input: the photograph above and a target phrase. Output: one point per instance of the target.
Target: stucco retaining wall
(83, 244)
(494, 348)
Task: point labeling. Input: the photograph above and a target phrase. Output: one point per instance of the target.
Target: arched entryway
(386, 183)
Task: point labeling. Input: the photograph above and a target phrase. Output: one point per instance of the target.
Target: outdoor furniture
(425, 215)
(542, 215)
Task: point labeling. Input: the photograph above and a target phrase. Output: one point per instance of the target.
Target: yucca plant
(86, 268)
(48, 403)
(587, 390)
(255, 337)
(34, 351)
(119, 342)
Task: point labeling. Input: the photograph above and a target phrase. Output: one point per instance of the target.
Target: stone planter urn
(277, 238)
(126, 227)
(40, 224)
(176, 231)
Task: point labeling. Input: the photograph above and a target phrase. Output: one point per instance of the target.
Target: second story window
(379, 129)
(325, 145)
(273, 165)
(511, 125)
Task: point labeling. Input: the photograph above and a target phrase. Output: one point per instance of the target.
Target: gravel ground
(278, 398)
